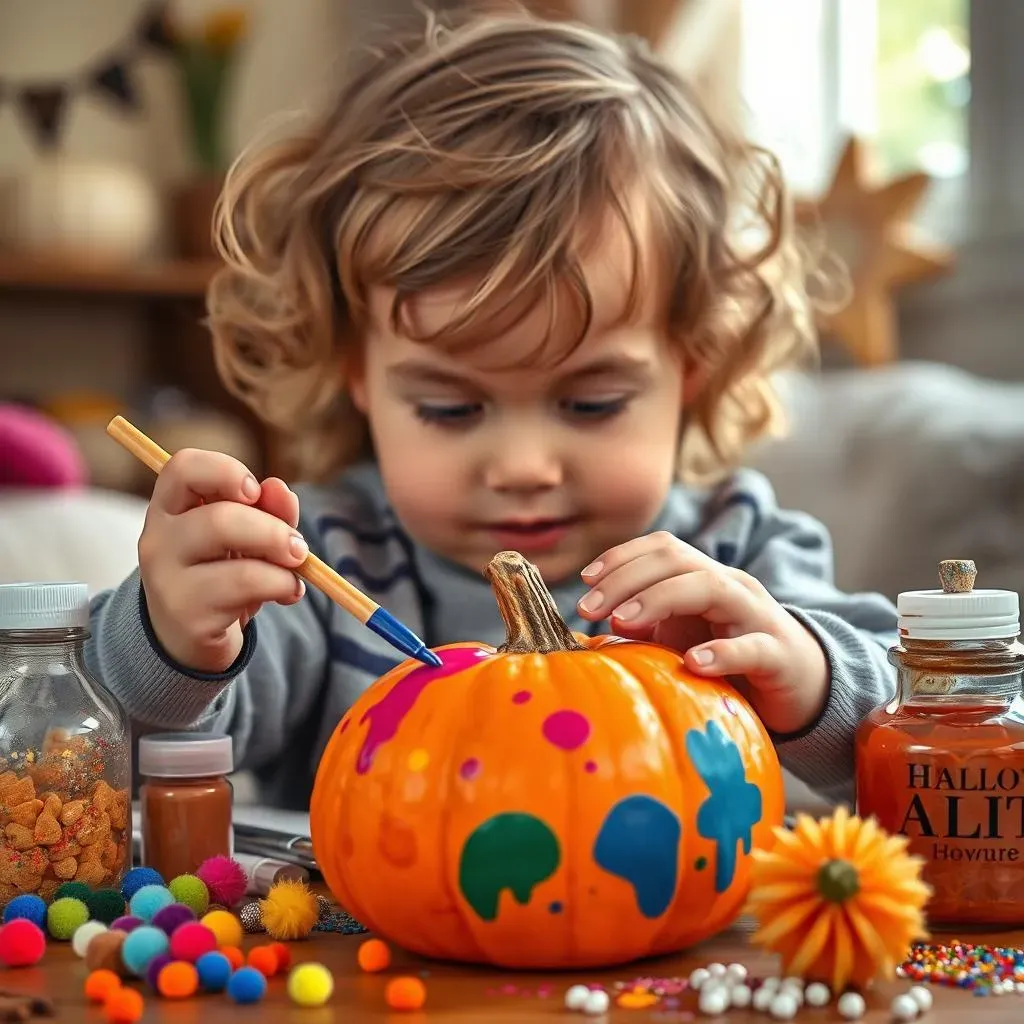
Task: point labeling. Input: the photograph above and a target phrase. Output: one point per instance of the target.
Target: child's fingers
(194, 476)
(210, 532)
(278, 500)
(674, 554)
(752, 654)
(713, 596)
(235, 587)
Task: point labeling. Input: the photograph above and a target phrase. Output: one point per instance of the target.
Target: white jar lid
(185, 755)
(44, 606)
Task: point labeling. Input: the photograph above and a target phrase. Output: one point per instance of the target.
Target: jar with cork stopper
(943, 763)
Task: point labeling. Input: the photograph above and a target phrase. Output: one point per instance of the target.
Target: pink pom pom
(225, 878)
(190, 941)
(22, 943)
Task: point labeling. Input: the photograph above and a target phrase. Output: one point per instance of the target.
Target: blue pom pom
(247, 985)
(214, 970)
(29, 906)
(137, 878)
(149, 901)
(141, 945)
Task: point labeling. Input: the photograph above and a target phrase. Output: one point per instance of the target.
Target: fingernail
(250, 488)
(300, 586)
(591, 602)
(297, 546)
(629, 610)
(702, 655)
(593, 569)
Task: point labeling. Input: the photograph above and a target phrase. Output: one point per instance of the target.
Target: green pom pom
(65, 915)
(190, 890)
(76, 890)
(105, 905)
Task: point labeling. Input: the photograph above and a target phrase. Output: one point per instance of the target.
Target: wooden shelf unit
(172, 279)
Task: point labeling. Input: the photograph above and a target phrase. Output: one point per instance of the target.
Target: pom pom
(141, 945)
(251, 916)
(284, 955)
(105, 905)
(290, 910)
(310, 985)
(213, 970)
(156, 965)
(65, 916)
(247, 985)
(191, 941)
(191, 890)
(84, 934)
(374, 955)
(104, 953)
(177, 980)
(235, 956)
(225, 880)
(76, 890)
(22, 943)
(137, 878)
(405, 993)
(127, 923)
(264, 959)
(225, 926)
(28, 906)
(149, 899)
(124, 1006)
(172, 917)
(100, 984)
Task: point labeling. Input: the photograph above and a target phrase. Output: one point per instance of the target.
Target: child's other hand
(660, 589)
(215, 546)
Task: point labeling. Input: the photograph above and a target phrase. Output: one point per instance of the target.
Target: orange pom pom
(374, 955)
(405, 993)
(235, 956)
(264, 959)
(100, 984)
(177, 980)
(124, 1006)
(284, 955)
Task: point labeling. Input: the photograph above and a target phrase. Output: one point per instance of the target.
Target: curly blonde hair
(478, 146)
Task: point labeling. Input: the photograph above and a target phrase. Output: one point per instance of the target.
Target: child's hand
(660, 589)
(215, 546)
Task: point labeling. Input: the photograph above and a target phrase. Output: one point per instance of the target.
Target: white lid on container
(185, 755)
(44, 606)
(958, 611)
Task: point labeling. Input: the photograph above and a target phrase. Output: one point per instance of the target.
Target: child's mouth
(531, 534)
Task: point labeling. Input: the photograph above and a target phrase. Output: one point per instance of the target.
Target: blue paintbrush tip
(397, 634)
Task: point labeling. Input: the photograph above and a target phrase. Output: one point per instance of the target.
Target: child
(502, 296)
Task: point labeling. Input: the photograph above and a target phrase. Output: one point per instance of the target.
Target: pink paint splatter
(566, 729)
(386, 715)
(590, 766)
(344, 724)
(521, 697)
(470, 768)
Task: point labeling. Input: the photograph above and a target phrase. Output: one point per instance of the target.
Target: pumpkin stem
(838, 881)
(532, 622)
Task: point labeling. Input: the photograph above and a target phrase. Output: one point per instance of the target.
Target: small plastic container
(65, 749)
(185, 800)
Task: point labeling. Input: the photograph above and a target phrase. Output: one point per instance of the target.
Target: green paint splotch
(511, 851)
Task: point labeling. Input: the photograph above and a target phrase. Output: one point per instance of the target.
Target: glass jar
(185, 800)
(65, 749)
(943, 763)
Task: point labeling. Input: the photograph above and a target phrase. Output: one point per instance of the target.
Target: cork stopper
(957, 575)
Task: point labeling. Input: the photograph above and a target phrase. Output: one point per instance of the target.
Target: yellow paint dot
(418, 760)
(636, 1000)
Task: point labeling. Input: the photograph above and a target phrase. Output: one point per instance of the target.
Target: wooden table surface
(463, 994)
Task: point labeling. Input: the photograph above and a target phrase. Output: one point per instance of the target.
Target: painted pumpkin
(562, 801)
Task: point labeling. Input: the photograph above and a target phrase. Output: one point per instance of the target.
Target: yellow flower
(224, 29)
(839, 899)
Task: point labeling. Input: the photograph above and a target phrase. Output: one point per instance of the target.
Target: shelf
(170, 279)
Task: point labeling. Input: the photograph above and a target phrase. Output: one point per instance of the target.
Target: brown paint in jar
(185, 800)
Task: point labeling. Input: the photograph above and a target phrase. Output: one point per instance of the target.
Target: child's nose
(524, 467)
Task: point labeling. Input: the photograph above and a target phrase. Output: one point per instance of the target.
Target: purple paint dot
(555, 907)
(590, 766)
(470, 768)
(566, 729)
(730, 705)
(521, 697)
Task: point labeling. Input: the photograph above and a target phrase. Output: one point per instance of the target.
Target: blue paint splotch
(733, 806)
(639, 842)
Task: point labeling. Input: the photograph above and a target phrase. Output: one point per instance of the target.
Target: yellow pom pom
(290, 910)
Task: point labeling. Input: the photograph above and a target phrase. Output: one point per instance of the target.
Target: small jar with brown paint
(185, 800)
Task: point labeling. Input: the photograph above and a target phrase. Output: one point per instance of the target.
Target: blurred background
(895, 121)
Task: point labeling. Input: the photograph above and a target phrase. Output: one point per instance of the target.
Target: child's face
(558, 462)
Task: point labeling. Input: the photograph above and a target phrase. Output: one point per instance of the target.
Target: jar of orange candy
(943, 763)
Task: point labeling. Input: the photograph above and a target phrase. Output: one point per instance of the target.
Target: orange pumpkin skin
(577, 808)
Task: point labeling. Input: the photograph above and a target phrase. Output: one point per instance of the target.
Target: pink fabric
(35, 451)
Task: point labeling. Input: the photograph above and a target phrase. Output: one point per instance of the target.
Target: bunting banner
(43, 104)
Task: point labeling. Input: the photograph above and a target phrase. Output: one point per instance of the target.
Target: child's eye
(449, 415)
(595, 409)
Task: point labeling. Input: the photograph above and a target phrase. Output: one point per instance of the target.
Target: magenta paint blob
(521, 696)
(590, 766)
(566, 729)
(470, 768)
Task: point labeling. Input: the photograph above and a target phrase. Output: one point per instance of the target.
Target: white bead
(795, 991)
(784, 1006)
(997, 990)
(771, 983)
(904, 1008)
(716, 970)
(851, 1006)
(817, 994)
(576, 996)
(697, 977)
(713, 1000)
(740, 995)
(762, 998)
(84, 934)
(597, 1003)
(736, 972)
(1020, 988)
(793, 981)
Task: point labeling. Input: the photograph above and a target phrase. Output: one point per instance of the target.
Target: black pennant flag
(44, 109)
(115, 81)
(153, 30)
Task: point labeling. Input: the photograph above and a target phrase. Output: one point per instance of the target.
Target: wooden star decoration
(867, 226)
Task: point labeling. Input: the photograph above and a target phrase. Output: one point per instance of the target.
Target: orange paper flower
(839, 899)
